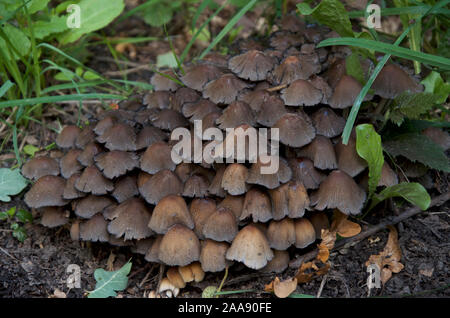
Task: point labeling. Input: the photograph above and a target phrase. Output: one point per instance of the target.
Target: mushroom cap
(168, 119)
(304, 233)
(303, 170)
(321, 152)
(257, 204)
(175, 278)
(220, 225)
(320, 222)
(392, 81)
(119, 137)
(94, 229)
(40, 166)
(278, 263)
(130, 220)
(212, 256)
(348, 159)
(86, 157)
(253, 65)
(47, 191)
(301, 93)
(184, 96)
(163, 83)
(70, 192)
(68, 136)
(295, 67)
(142, 246)
(339, 191)
(250, 246)
(152, 254)
(197, 76)
(327, 123)
(163, 183)
(125, 188)
(93, 181)
(179, 246)
(388, 177)
(281, 234)
(171, 210)
(295, 129)
(233, 202)
(234, 178)
(198, 110)
(255, 98)
(283, 40)
(217, 59)
(116, 163)
(53, 216)
(158, 99)
(90, 205)
(105, 123)
(319, 83)
(237, 113)
(335, 71)
(257, 175)
(149, 135)
(345, 92)
(196, 186)
(157, 157)
(69, 164)
(225, 89)
(85, 137)
(297, 198)
(215, 188)
(201, 210)
(192, 272)
(270, 111)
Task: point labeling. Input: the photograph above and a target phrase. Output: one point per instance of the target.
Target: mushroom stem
(162, 267)
(223, 281)
(276, 88)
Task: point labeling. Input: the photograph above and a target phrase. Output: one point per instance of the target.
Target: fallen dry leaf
(281, 289)
(58, 294)
(324, 253)
(122, 47)
(389, 259)
(342, 226)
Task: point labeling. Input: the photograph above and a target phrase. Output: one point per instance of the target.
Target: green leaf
(110, 282)
(30, 150)
(354, 68)
(331, 13)
(34, 6)
(11, 183)
(435, 84)
(295, 295)
(156, 14)
(411, 106)
(42, 28)
(166, 60)
(412, 192)
(94, 16)
(24, 216)
(18, 39)
(7, 214)
(19, 232)
(418, 147)
(368, 146)
(5, 87)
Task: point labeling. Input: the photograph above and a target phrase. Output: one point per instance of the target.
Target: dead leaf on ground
(344, 227)
(58, 294)
(389, 259)
(282, 289)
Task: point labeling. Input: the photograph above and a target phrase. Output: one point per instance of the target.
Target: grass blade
(199, 11)
(5, 87)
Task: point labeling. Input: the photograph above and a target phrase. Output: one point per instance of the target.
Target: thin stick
(276, 88)
(322, 284)
(436, 201)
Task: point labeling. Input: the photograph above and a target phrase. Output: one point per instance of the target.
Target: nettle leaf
(157, 14)
(18, 39)
(412, 192)
(108, 283)
(94, 16)
(11, 183)
(331, 13)
(24, 216)
(18, 232)
(435, 84)
(411, 106)
(368, 146)
(418, 147)
(34, 6)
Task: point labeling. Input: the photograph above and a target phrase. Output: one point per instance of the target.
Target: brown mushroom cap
(168, 119)
(93, 181)
(54, 216)
(116, 163)
(40, 166)
(237, 113)
(348, 159)
(119, 137)
(281, 234)
(212, 256)
(192, 272)
(301, 93)
(86, 157)
(339, 191)
(171, 210)
(392, 81)
(149, 135)
(321, 152)
(234, 178)
(224, 90)
(250, 246)
(278, 263)
(183, 97)
(220, 225)
(142, 246)
(257, 204)
(163, 83)
(296, 129)
(158, 99)
(215, 188)
(298, 200)
(104, 124)
(179, 246)
(175, 278)
(295, 67)
(69, 163)
(90, 205)
(345, 92)
(320, 222)
(94, 229)
(68, 136)
(125, 188)
(85, 137)
(70, 192)
(47, 191)
(304, 233)
(196, 186)
(303, 171)
(270, 181)
(197, 76)
(216, 59)
(198, 110)
(157, 157)
(253, 65)
(163, 183)
(327, 123)
(152, 254)
(130, 220)
(201, 210)
(270, 111)
(283, 40)
(233, 202)
(255, 98)
(388, 176)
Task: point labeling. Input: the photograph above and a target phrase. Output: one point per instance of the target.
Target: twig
(129, 71)
(6, 252)
(436, 201)
(276, 88)
(322, 284)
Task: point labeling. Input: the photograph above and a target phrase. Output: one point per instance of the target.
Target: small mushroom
(158, 99)
(252, 65)
(304, 233)
(327, 123)
(53, 216)
(197, 76)
(157, 157)
(257, 205)
(303, 171)
(93, 181)
(234, 178)
(321, 152)
(233, 202)
(68, 136)
(116, 163)
(281, 234)
(224, 90)
(163, 183)
(345, 92)
(392, 81)
(69, 164)
(198, 110)
(87, 207)
(301, 93)
(149, 135)
(179, 246)
(171, 210)
(119, 137)
(196, 186)
(40, 166)
(94, 229)
(85, 137)
(348, 159)
(175, 277)
(220, 225)
(164, 81)
(125, 188)
(47, 191)
(70, 192)
(86, 157)
(201, 210)
(295, 129)
(168, 119)
(212, 256)
(257, 174)
(295, 67)
(270, 111)
(278, 263)
(320, 222)
(237, 113)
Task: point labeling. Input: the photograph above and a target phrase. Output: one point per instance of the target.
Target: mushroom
(294, 67)
(283, 40)
(183, 97)
(119, 137)
(392, 81)
(301, 93)
(157, 157)
(252, 65)
(250, 246)
(224, 90)
(201, 210)
(319, 221)
(152, 254)
(196, 186)
(68, 136)
(257, 204)
(295, 129)
(70, 192)
(86, 157)
(192, 272)
(305, 233)
(198, 110)
(215, 188)
(161, 184)
(233, 202)
(237, 113)
(158, 99)
(321, 152)
(345, 92)
(40, 166)
(104, 124)
(278, 263)
(168, 119)
(116, 163)
(90, 205)
(93, 181)
(234, 178)
(220, 225)
(149, 135)
(69, 164)
(53, 216)
(339, 191)
(197, 76)
(303, 171)
(212, 256)
(171, 210)
(327, 123)
(270, 111)
(94, 229)
(125, 188)
(47, 191)
(164, 81)
(281, 234)
(257, 175)
(179, 246)
(348, 159)
(175, 277)
(85, 137)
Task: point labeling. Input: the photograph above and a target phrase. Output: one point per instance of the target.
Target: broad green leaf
(42, 28)
(30, 150)
(11, 183)
(411, 106)
(418, 147)
(331, 13)
(166, 60)
(5, 87)
(94, 16)
(412, 192)
(24, 216)
(19, 232)
(368, 146)
(354, 68)
(18, 39)
(7, 214)
(34, 6)
(108, 283)
(435, 84)
(90, 76)
(156, 14)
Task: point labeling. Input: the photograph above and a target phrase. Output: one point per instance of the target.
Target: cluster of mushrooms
(114, 181)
